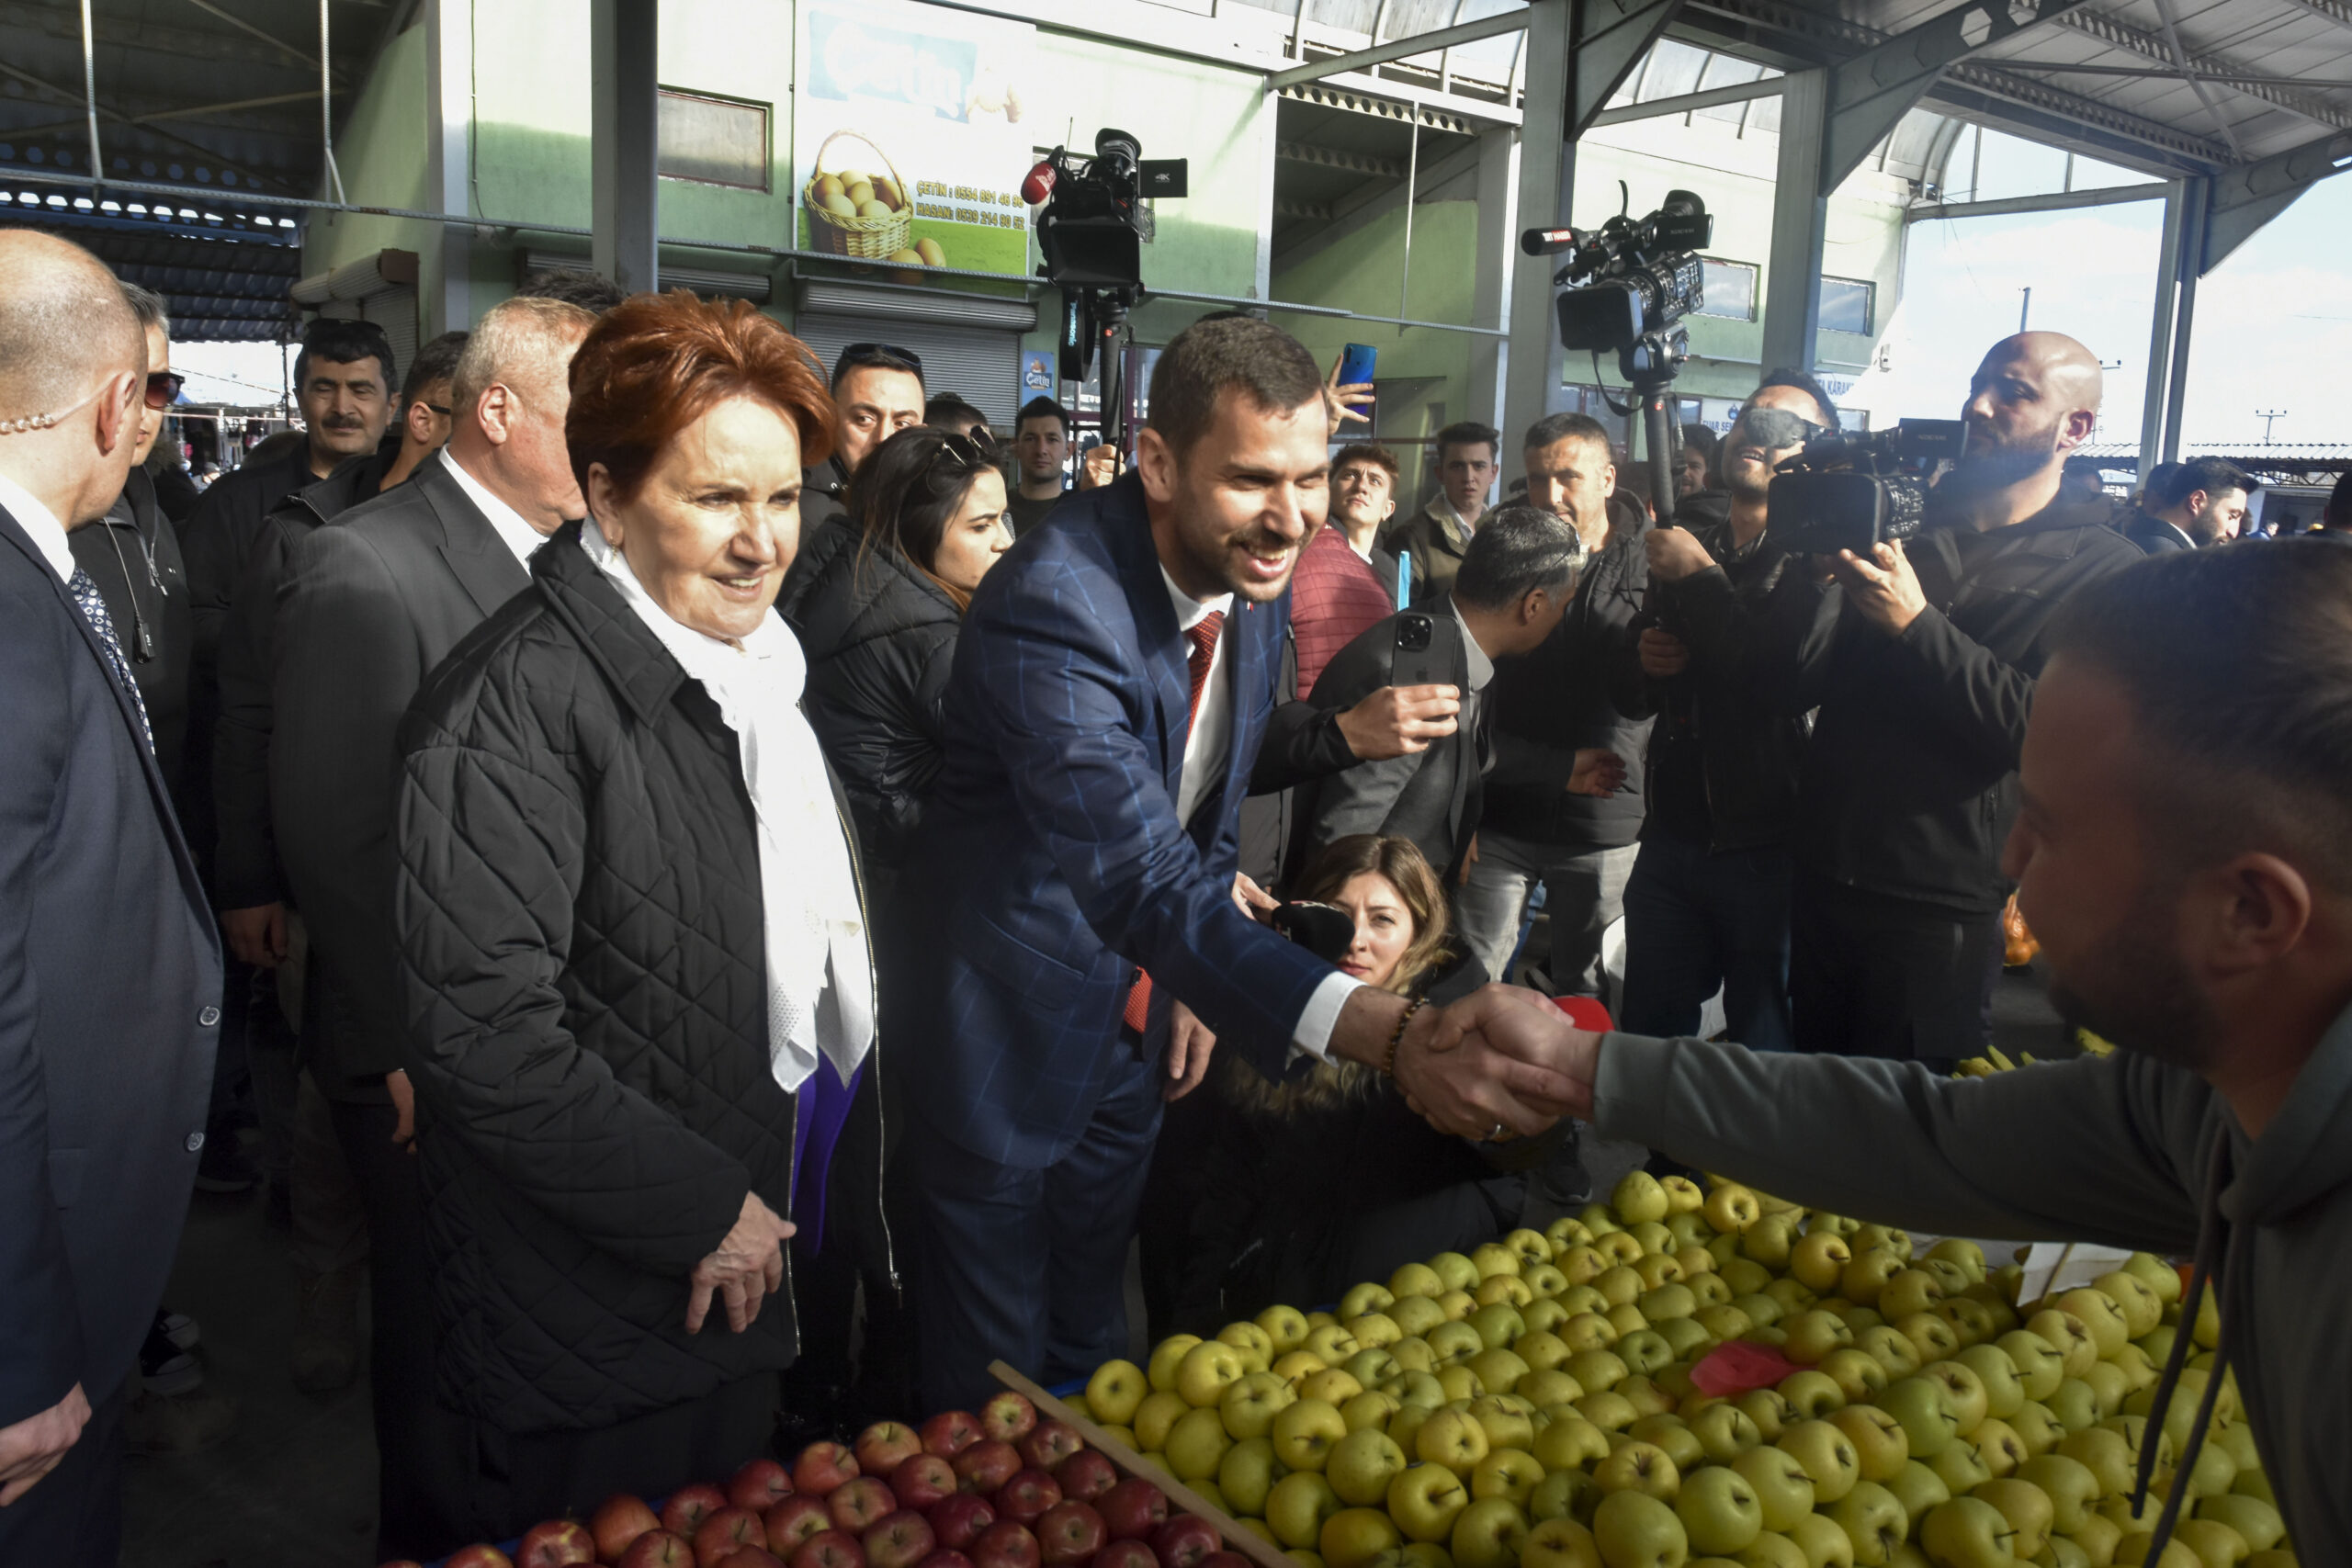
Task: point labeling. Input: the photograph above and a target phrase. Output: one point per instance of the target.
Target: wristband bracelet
(1397, 1037)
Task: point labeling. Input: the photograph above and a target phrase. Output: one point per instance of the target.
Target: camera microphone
(1038, 184)
(1548, 242)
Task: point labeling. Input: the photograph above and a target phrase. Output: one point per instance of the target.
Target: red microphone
(1039, 185)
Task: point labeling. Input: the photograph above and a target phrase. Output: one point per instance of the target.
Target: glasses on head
(889, 356)
(164, 388)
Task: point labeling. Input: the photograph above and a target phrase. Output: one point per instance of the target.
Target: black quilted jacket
(579, 919)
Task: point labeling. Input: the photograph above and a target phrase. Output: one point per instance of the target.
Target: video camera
(1632, 281)
(1850, 492)
(1092, 234)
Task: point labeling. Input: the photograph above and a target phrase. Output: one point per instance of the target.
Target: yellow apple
(1498, 1369)
(1196, 1444)
(1968, 1532)
(1859, 1374)
(1730, 1208)
(1454, 1271)
(1636, 1530)
(1548, 1387)
(1249, 1405)
(2025, 1507)
(1285, 1328)
(1115, 1391)
(2099, 1313)
(1909, 1291)
(1827, 1456)
(1492, 1257)
(2216, 1544)
(1374, 1330)
(1505, 1426)
(1970, 1405)
(1425, 1499)
(1918, 1489)
(1157, 1413)
(2004, 1393)
(1373, 1408)
(1353, 1536)
(1361, 1465)
(1560, 1542)
(1768, 1410)
(1719, 1511)
(1503, 1290)
(1414, 1280)
(1872, 1521)
(1510, 1474)
(1297, 1508)
(1640, 1467)
(1782, 1487)
(1812, 1392)
(1206, 1372)
(1333, 1385)
(1453, 1439)
(1165, 1357)
(1768, 1241)
(1415, 1317)
(1865, 1277)
(1305, 1433)
(1819, 1258)
(1246, 1476)
(1452, 1343)
(1331, 1342)
(1882, 1446)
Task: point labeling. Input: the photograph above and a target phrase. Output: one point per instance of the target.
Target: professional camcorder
(1848, 492)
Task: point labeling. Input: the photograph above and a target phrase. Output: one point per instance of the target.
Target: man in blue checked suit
(110, 969)
(1112, 684)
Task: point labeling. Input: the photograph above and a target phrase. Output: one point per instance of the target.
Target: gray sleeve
(2097, 1150)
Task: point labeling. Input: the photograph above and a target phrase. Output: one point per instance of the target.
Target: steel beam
(2115, 196)
(624, 138)
(2158, 74)
(2250, 194)
(1607, 40)
(2162, 317)
(447, 302)
(1800, 224)
(2197, 202)
(1546, 175)
(1686, 103)
(1399, 49)
(1491, 297)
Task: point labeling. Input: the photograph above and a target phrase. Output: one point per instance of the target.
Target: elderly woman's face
(717, 521)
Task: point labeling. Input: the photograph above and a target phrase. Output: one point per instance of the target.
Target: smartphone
(1415, 660)
(1356, 362)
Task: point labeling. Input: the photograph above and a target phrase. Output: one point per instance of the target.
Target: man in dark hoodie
(1921, 661)
(2185, 855)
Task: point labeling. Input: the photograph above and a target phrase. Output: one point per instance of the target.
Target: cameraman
(1921, 660)
(1708, 901)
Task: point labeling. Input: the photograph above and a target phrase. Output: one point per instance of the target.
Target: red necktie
(1203, 636)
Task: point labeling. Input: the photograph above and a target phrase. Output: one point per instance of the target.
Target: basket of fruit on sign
(854, 213)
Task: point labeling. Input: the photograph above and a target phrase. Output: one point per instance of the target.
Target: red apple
(1026, 1497)
(1226, 1560)
(1070, 1533)
(658, 1548)
(986, 1465)
(1133, 1509)
(859, 1503)
(1184, 1540)
(724, 1531)
(750, 1557)
(554, 1543)
(920, 1481)
(899, 1541)
(1085, 1475)
(618, 1520)
(1006, 1545)
(1050, 1443)
(946, 1559)
(480, 1555)
(958, 1521)
(794, 1520)
(950, 1432)
(759, 1485)
(1007, 1416)
(689, 1505)
(832, 1548)
(1126, 1554)
(885, 1446)
(823, 1468)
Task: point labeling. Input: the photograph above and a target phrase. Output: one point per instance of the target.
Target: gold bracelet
(1396, 1038)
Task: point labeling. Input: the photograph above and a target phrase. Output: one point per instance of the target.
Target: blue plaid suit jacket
(1050, 862)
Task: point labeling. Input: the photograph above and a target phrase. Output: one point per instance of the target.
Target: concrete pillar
(1547, 176)
(1800, 226)
(448, 113)
(625, 133)
(1498, 251)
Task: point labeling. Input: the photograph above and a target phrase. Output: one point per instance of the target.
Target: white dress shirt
(1482, 669)
(504, 520)
(39, 521)
(1206, 747)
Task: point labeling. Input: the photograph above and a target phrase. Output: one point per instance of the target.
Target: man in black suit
(371, 603)
(110, 970)
(2191, 505)
(1515, 580)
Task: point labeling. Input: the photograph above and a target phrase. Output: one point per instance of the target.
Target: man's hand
(1663, 655)
(1252, 899)
(1399, 721)
(1099, 467)
(258, 935)
(1528, 1031)
(1341, 402)
(34, 1445)
(1597, 772)
(1888, 593)
(1675, 554)
(1189, 1043)
(1458, 1083)
(405, 1104)
(747, 1266)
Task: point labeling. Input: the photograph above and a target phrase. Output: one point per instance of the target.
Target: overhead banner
(907, 135)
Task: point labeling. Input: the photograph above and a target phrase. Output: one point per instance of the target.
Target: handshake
(1501, 1063)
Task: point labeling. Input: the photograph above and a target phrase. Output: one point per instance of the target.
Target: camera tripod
(1092, 318)
(1650, 364)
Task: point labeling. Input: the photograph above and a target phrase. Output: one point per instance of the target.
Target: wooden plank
(1248, 1542)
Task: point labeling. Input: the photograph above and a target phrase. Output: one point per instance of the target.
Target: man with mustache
(1921, 658)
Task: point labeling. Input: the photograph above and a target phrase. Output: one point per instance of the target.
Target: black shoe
(223, 1168)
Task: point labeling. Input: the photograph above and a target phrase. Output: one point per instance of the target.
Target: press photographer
(1921, 658)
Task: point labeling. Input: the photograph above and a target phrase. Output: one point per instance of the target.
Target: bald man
(371, 603)
(1921, 660)
(110, 971)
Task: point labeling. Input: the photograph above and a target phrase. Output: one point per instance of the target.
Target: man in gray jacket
(2185, 855)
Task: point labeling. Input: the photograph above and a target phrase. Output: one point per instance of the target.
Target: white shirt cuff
(1313, 1034)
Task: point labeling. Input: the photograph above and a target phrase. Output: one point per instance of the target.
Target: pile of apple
(997, 1490)
(1541, 1403)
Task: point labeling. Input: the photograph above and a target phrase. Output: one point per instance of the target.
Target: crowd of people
(705, 859)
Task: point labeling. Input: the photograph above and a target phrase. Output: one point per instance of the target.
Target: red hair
(656, 363)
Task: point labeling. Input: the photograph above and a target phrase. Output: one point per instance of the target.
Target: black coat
(2153, 534)
(133, 555)
(881, 639)
(584, 972)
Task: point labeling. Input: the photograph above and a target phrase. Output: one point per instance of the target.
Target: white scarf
(820, 976)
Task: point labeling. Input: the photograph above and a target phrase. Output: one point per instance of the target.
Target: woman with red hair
(636, 960)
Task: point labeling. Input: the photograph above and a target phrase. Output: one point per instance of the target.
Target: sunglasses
(1775, 428)
(164, 388)
(889, 356)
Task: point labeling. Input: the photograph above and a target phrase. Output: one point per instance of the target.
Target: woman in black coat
(635, 958)
(879, 616)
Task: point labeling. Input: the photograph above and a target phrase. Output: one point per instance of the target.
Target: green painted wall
(382, 155)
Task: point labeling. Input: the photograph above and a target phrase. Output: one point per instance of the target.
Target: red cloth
(1735, 1366)
(1335, 598)
(1203, 636)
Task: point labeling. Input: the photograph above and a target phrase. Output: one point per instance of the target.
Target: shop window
(714, 141)
(1845, 305)
(1729, 288)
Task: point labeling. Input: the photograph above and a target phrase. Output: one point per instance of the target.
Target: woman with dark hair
(1319, 1182)
(878, 623)
(636, 960)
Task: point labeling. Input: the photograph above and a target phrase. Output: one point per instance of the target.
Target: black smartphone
(1356, 362)
(1416, 660)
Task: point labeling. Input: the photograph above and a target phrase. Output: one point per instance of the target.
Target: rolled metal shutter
(980, 364)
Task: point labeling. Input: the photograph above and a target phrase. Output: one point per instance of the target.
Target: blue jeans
(1694, 921)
